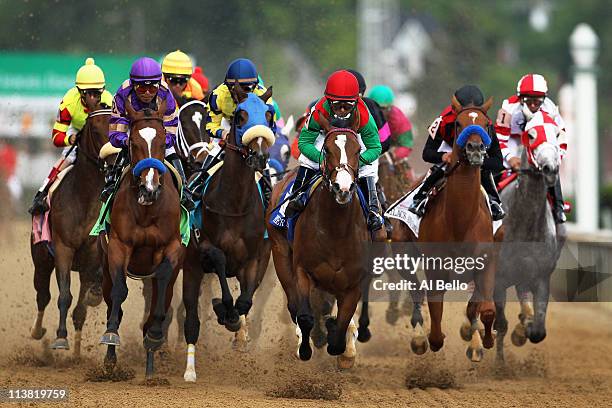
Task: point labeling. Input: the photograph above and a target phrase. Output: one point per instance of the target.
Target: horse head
(253, 125)
(340, 165)
(471, 127)
(541, 147)
(147, 145)
(94, 134)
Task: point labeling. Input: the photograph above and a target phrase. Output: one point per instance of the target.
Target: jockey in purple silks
(144, 88)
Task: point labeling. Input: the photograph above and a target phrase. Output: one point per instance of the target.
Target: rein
(94, 160)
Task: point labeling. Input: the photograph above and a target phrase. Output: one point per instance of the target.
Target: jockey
(340, 103)
(178, 69)
(143, 89)
(71, 118)
(437, 151)
(375, 110)
(221, 105)
(399, 125)
(199, 76)
(516, 111)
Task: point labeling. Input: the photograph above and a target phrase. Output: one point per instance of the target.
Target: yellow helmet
(90, 76)
(177, 63)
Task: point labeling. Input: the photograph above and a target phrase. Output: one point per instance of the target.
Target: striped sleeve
(171, 121)
(118, 125)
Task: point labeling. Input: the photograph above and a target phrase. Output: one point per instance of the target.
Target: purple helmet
(145, 69)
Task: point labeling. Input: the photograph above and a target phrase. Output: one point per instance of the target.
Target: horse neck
(463, 194)
(88, 151)
(528, 206)
(335, 219)
(236, 185)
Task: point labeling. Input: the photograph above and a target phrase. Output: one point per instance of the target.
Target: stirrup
(295, 205)
(39, 204)
(374, 221)
(417, 207)
(497, 212)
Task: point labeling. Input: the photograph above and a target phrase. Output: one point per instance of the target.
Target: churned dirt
(572, 367)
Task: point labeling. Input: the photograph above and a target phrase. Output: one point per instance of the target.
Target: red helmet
(342, 86)
(532, 84)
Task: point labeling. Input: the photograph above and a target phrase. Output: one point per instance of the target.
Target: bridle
(341, 166)
(95, 160)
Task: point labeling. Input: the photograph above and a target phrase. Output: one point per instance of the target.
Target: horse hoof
(419, 345)
(319, 338)
(305, 351)
(344, 363)
(488, 341)
(110, 363)
(335, 351)
(38, 334)
(466, 331)
(110, 339)
(190, 376)
(474, 355)
(392, 316)
(60, 344)
(232, 325)
(151, 343)
(364, 335)
(518, 336)
(436, 345)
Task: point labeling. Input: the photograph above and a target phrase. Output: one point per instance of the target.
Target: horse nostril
(547, 168)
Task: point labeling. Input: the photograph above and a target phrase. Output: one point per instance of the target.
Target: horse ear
(356, 120)
(456, 104)
(487, 105)
(129, 109)
(238, 93)
(267, 95)
(324, 122)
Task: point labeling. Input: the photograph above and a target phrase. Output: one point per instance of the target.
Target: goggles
(91, 92)
(346, 105)
(533, 100)
(177, 80)
(148, 86)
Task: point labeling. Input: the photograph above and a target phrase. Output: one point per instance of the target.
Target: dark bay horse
(144, 240)
(327, 251)
(231, 243)
(459, 214)
(532, 244)
(191, 133)
(74, 209)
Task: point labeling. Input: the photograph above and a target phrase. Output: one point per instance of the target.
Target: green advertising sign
(42, 74)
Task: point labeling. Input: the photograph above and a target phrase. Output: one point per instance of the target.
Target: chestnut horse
(328, 248)
(144, 240)
(459, 214)
(231, 242)
(74, 209)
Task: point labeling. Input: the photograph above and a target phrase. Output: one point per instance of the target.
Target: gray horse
(532, 242)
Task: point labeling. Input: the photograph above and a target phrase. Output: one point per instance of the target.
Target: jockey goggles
(91, 92)
(533, 100)
(177, 80)
(147, 86)
(346, 105)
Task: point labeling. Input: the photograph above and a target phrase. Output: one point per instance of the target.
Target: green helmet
(382, 94)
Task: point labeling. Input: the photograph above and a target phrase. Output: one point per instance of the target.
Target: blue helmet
(145, 69)
(243, 70)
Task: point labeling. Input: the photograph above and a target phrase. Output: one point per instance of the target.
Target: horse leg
(322, 304)
(536, 330)
(192, 279)
(470, 330)
(227, 314)
(485, 285)
(342, 344)
(282, 258)
(518, 336)
(147, 293)
(115, 290)
(153, 334)
(79, 314)
(43, 267)
(436, 307)
(364, 334)
(264, 291)
(304, 317)
(63, 266)
(501, 323)
(248, 284)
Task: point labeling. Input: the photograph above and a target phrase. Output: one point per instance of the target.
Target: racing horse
(532, 244)
(458, 214)
(73, 211)
(231, 241)
(326, 250)
(144, 240)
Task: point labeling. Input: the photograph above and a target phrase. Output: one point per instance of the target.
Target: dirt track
(572, 367)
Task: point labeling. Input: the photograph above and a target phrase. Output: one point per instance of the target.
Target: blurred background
(423, 49)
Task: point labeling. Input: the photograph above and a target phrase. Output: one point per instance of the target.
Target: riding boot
(368, 187)
(265, 183)
(209, 162)
(298, 203)
(558, 202)
(486, 181)
(113, 175)
(186, 199)
(416, 207)
(384, 205)
(39, 204)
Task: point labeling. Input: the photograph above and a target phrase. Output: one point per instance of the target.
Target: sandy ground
(571, 368)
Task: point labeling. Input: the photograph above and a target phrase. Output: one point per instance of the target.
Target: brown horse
(74, 209)
(459, 214)
(144, 240)
(327, 249)
(231, 243)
